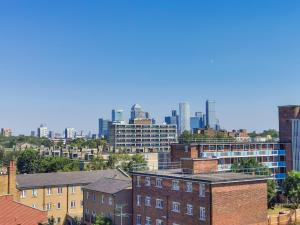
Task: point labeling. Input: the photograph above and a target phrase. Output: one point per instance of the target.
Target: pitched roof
(36, 180)
(109, 185)
(14, 213)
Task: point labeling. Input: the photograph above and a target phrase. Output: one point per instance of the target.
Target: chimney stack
(199, 165)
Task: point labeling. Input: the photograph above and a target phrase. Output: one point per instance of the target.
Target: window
(58, 220)
(175, 224)
(202, 214)
(147, 181)
(73, 204)
(73, 188)
(189, 187)
(158, 182)
(58, 205)
(23, 194)
(138, 181)
(49, 191)
(147, 201)
(189, 209)
(175, 185)
(48, 206)
(201, 189)
(148, 221)
(159, 203)
(138, 200)
(159, 222)
(87, 195)
(102, 199)
(176, 207)
(34, 206)
(59, 190)
(138, 220)
(34, 192)
(110, 200)
(94, 196)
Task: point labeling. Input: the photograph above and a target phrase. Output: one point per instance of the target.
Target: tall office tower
(289, 134)
(42, 131)
(103, 128)
(51, 134)
(137, 112)
(172, 119)
(117, 116)
(32, 133)
(70, 133)
(210, 114)
(184, 117)
(196, 121)
(147, 115)
(6, 132)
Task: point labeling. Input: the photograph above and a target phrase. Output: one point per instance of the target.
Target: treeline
(272, 132)
(188, 136)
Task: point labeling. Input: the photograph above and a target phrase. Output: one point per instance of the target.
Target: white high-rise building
(184, 117)
(70, 133)
(42, 131)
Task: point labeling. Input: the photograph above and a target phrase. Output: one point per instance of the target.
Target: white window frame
(189, 186)
(147, 201)
(202, 214)
(138, 181)
(189, 209)
(159, 222)
(148, 220)
(202, 189)
(87, 195)
(59, 190)
(159, 203)
(58, 206)
(73, 204)
(23, 194)
(147, 181)
(94, 196)
(158, 182)
(49, 191)
(48, 206)
(110, 200)
(138, 219)
(175, 185)
(138, 200)
(176, 207)
(73, 189)
(34, 192)
(102, 199)
(34, 206)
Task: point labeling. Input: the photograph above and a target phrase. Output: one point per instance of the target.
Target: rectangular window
(147, 181)
(73, 188)
(34, 206)
(175, 185)
(23, 194)
(87, 195)
(189, 209)
(138, 200)
(34, 192)
(138, 181)
(159, 222)
(94, 196)
(202, 214)
(201, 189)
(148, 221)
(59, 190)
(110, 200)
(159, 203)
(58, 205)
(48, 206)
(147, 201)
(176, 207)
(189, 187)
(138, 219)
(158, 182)
(49, 191)
(73, 204)
(102, 199)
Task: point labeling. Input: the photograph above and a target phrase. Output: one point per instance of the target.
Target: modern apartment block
(196, 193)
(60, 194)
(142, 137)
(289, 134)
(270, 154)
(109, 197)
(42, 131)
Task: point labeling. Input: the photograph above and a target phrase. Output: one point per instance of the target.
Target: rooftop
(25, 181)
(109, 185)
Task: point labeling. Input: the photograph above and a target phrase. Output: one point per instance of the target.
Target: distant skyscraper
(42, 131)
(51, 134)
(70, 133)
(184, 117)
(172, 119)
(117, 116)
(103, 127)
(137, 112)
(211, 121)
(32, 133)
(196, 121)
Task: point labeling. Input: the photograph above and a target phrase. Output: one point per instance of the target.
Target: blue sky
(67, 63)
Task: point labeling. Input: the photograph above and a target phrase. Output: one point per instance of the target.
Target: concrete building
(108, 197)
(42, 131)
(70, 133)
(103, 127)
(6, 132)
(289, 134)
(184, 117)
(196, 193)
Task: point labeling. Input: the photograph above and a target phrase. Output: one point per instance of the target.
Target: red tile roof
(14, 213)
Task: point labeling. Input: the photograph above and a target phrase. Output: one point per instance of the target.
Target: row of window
(175, 185)
(148, 220)
(34, 191)
(102, 200)
(49, 206)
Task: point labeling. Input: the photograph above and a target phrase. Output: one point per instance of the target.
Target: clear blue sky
(67, 63)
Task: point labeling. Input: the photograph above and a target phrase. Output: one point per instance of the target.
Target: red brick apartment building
(198, 194)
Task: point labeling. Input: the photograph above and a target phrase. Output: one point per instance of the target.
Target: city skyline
(69, 64)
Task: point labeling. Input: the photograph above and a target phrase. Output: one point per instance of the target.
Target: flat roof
(213, 178)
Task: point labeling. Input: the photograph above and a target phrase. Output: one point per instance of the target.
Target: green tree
(97, 164)
(137, 162)
(291, 187)
(250, 165)
(56, 164)
(100, 220)
(271, 193)
(28, 161)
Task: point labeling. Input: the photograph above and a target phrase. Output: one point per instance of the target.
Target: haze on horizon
(67, 63)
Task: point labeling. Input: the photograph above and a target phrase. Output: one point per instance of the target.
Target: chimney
(12, 189)
(199, 165)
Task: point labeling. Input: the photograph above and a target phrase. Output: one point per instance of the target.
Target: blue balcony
(280, 175)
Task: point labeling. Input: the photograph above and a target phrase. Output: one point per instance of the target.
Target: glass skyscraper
(184, 117)
(117, 115)
(103, 127)
(211, 121)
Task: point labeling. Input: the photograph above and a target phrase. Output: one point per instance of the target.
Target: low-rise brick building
(198, 194)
